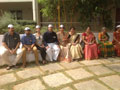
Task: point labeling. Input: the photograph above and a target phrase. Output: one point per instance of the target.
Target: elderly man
(28, 40)
(11, 42)
(51, 43)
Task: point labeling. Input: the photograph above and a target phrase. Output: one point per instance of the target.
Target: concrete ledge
(30, 57)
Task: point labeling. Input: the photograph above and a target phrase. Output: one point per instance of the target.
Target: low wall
(30, 56)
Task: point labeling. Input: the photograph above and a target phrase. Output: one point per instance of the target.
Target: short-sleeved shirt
(28, 39)
(11, 40)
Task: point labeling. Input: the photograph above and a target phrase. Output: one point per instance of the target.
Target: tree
(87, 9)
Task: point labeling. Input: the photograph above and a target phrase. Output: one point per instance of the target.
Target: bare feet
(23, 66)
(38, 64)
(9, 67)
(44, 62)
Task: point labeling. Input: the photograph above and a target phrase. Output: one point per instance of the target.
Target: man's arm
(18, 44)
(4, 40)
(56, 41)
(44, 40)
(32, 45)
(5, 45)
(33, 41)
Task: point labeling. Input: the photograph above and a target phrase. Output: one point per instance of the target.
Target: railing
(96, 26)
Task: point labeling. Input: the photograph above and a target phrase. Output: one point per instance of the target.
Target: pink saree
(91, 49)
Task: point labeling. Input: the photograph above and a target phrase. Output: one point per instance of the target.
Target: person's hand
(86, 43)
(14, 51)
(11, 51)
(119, 42)
(58, 46)
(42, 46)
(104, 40)
(47, 47)
(91, 43)
(65, 39)
(29, 49)
(73, 44)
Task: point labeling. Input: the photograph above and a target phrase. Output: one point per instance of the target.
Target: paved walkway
(102, 74)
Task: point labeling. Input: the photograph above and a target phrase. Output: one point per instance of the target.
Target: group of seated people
(60, 46)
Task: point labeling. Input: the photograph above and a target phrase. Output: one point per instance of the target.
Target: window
(17, 14)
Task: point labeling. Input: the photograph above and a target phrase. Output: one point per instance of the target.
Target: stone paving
(101, 74)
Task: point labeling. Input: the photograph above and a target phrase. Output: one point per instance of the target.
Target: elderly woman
(105, 46)
(63, 41)
(116, 40)
(74, 42)
(39, 44)
(91, 49)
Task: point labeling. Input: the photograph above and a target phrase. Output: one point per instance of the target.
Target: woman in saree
(64, 55)
(116, 40)
(91, 49)
(105, 46)
(74, 43)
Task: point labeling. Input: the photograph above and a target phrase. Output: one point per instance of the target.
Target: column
(35, 11)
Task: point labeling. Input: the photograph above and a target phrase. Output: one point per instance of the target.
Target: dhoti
(53, 51)
(5, 56)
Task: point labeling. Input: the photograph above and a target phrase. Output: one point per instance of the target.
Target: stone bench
(30, 56)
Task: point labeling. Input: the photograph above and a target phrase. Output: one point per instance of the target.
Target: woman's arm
(94, 40)
(78, 40)
(114, 38)
(83, 38)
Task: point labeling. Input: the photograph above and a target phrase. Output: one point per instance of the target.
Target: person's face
(88, 30)
(38, 30)
(72, 31)
(28, 32)
(50, 29)
(11, 30)
(104, 30)
(61, 29)
(118, 29)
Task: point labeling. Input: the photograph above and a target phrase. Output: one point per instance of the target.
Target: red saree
(90, 50)
(116, 35)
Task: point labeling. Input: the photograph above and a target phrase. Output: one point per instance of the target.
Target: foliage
(19, 25)
(49, 7)
(6, 19)
(88, 10)
(26, 22)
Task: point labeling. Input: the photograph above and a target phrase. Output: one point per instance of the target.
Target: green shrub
(19, 25)
(26, 22)
(6, 19)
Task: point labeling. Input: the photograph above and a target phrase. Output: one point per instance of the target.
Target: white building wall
(29, 8)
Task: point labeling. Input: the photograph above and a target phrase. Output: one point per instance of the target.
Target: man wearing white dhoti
(51, 43)
(11, 42)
